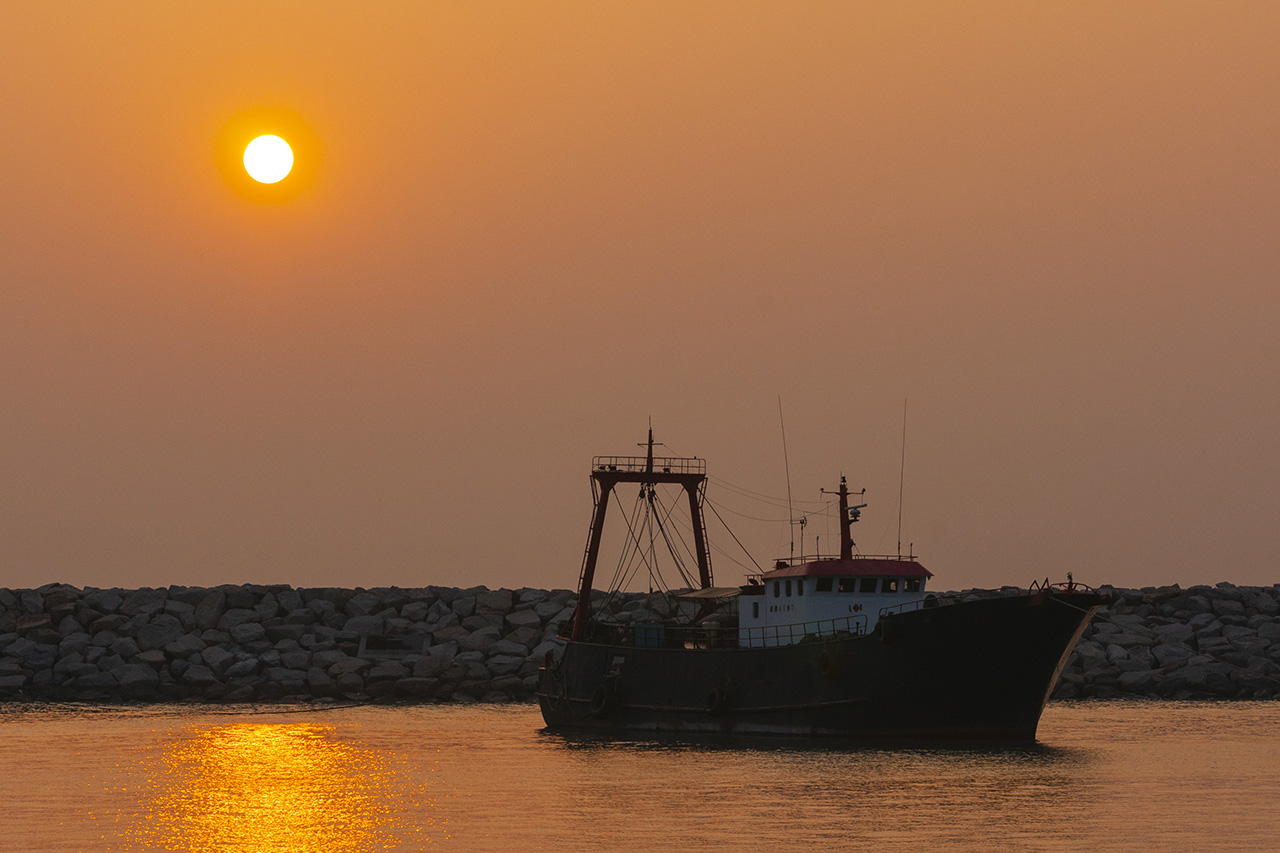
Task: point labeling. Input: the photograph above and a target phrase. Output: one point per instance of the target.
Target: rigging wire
(756, 496)
(735, 538)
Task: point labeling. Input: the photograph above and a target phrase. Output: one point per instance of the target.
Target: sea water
(1103, 775)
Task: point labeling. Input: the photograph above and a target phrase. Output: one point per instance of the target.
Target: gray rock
(363, 604)
(1235, 632)
(110, 622)
(126, 647)
(298, 659)
(386, 671)
(1167, 654)
(289, 678)
(349, 683)
(154, 658)
(218, 659)
(1198, 604)
(1090, 654)
(547, 609)
(1213, 645)
(364, 625)
(74, 644)
(506, 647)
(210, 609)
(415, 611)
(1141, 681)
(523, 619)
(1270, 632)
(525, 636)
(347, 665)
(247, 632)
(95, 681)
(494, 601)
(103, 600)
(184, 646)
(1251, 645)
(241, 668)
(1201, 620)
(431, 666)
(1227, 607)
(267, 608)
(199, 676)
(12, 683)
(319, 681)
(500, 665)
(239, 616)
(133, 676)
(302, 617)
(143, 601)
(463, 606)
(71, 662)
(289, 600)
(186, 613)
(443, 649)
(328, 658)
(1116, 653)
(540, 650)
(1178, 632)
(414, 687)
(162, 630)
(1128, 640)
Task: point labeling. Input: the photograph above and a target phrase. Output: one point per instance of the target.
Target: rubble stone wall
(262, 643)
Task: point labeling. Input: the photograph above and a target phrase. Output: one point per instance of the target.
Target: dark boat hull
(978, 670)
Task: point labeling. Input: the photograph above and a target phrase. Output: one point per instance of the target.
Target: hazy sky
(529, 227)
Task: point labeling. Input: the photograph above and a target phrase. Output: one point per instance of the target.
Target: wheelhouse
(826, 596)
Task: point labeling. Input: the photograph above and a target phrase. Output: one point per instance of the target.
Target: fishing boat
(840, 646)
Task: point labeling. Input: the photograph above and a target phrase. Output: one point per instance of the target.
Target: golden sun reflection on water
(268, 788)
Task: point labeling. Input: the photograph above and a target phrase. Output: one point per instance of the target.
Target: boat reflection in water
(273, 788)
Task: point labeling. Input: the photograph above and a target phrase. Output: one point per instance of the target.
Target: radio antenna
(791, 515)
(902, 474)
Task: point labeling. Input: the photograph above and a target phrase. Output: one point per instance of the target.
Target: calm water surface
(1122, 776)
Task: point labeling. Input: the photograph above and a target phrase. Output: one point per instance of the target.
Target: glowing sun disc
(268, 159)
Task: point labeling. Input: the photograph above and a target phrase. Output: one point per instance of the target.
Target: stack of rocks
(1203, 642)
(255, 643)
(264, 643)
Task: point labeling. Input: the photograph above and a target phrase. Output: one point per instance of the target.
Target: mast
(848, 515)
(647, 471)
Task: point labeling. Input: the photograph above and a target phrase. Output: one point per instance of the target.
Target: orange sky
(1050, 227)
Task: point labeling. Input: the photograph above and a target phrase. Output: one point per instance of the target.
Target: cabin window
(755, 610)
(890, 585)
(788, 587)
(848, 584)
(870, 584)
(777, 588)
(911, 585)
(824, 584)
(800, 586)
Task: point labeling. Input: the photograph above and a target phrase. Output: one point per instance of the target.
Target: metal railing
(784, 562)
(640, 464)
(930, 600)
(644, 635)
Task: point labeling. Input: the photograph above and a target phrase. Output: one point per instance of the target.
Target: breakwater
(262, 643)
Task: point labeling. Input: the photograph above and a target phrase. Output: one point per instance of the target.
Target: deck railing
(930, 600)
(640, 464)
(698, 637)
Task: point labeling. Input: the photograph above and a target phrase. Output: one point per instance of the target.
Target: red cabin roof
(857, 567)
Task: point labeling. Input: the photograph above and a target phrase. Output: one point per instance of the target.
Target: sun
(268, 159)
(256, 162)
